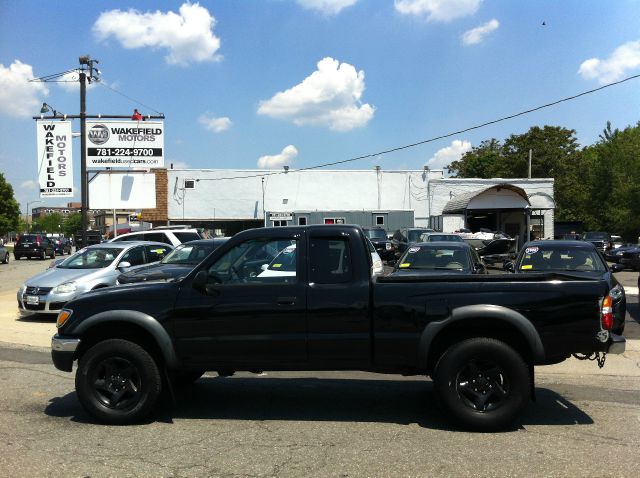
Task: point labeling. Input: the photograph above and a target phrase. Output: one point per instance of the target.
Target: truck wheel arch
(502, 319)
(120, 324)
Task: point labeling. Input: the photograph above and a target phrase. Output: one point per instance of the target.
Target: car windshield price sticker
(125, 144)
(531, 250)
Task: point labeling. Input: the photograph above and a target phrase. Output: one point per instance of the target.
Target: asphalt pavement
(585, 421)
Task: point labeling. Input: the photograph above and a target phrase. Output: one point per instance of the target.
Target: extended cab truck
(478, 337)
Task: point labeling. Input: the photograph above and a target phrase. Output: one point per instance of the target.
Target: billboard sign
(55, 165)
(122, 190)
(124, 144)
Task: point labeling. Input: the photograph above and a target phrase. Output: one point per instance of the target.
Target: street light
(47, 107)
(26, 216)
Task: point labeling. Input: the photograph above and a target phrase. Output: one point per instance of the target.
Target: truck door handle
(286, 300)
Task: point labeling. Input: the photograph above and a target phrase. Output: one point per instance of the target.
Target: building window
(189, 183)
(302, 221)
(379, 220)
(280, 223)
(334, 220)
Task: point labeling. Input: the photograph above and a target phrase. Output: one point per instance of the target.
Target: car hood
(157, 272)
(56, 276)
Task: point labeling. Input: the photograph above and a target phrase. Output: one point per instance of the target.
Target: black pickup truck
(303, 298)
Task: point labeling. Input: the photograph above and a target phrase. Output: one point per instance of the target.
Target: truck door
(338, 300)
(253, 310)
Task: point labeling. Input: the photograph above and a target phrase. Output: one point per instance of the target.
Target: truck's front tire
(483, 383)
(118, 382)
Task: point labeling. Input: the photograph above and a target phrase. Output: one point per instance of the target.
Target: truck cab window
(330, 260)
(269, 261)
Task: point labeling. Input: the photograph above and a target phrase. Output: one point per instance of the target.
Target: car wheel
(16, 257)
(6, 258)
(483, 383)
(53, 254)
(43, 255)
(118, 382)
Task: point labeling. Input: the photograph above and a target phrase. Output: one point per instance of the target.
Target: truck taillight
(606, 314)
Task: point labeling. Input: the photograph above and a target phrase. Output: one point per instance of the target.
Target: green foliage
(48, 223)
(9, 209)
(72, 224)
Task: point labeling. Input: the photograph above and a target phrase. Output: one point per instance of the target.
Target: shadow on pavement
(38, 318)
(310, 399)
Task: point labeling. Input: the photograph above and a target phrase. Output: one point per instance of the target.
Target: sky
(268, 83)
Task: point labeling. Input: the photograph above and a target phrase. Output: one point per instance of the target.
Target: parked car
(382, 244)
(439, 236)
(602, 240)
(440, 257)
(93, 267)
(62, 245)
(4, 253)
(631, 258)
(178, 263)
(93, 237)
(406, 237)
(615, 254)
(133, 342)
(173, 237)
(34, 245)
(573, 257)
(617, 241)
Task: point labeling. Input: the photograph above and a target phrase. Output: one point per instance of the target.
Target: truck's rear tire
(483, 383)
(118, 382)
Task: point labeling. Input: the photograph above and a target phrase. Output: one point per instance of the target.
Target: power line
(430, 140)
(128, 97)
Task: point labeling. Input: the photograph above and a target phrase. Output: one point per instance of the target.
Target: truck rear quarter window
(330, 260)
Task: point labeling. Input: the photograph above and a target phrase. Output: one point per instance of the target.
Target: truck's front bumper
(63, 350)
(617, 344)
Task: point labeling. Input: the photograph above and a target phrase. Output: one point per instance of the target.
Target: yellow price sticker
(277, 265)
(526, 266)
(405, 264)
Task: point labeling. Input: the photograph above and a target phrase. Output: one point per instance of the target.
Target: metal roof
(460, 203)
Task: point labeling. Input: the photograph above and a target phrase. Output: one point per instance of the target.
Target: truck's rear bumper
(617, 344)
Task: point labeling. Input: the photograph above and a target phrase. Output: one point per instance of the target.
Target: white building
(233, 199)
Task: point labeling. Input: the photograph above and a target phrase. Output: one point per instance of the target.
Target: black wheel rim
(482, 385)
(116, 383)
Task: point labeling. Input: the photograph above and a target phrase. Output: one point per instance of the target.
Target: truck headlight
(65, 288)
(63, 316)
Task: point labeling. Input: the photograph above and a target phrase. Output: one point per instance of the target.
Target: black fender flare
(479, 312)
(146, 322)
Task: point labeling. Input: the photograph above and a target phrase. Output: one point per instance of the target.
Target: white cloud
(438, 10)
(187, 35)
(445, 156)
(326, 7)
(30, 184)
(18, 97)
(330, 96)
(278, 160)
(478, 34)
(624, 58)
(217, 125)
(71, 82)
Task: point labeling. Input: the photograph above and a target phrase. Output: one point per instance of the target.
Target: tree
(482, 161)
(72, 224)
(49, 223)
(9, 209)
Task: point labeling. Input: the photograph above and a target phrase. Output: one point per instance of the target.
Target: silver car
(91, 268)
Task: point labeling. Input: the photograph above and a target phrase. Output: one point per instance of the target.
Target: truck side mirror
(509, 267)
(617, 267)
(200, 282)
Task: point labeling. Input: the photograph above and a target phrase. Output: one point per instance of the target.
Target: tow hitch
(599, 357)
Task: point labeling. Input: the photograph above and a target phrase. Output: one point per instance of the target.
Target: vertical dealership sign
(55, 166)
(125, 144)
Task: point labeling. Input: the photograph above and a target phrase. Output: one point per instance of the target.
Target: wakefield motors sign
(125, 144)
(55, 166)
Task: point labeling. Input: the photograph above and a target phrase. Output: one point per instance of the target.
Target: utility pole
(84, 190)
(530, 157)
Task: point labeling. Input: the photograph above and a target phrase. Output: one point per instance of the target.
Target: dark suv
(406, 236)
(602, 240)
(384, 246)
(34, 245)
